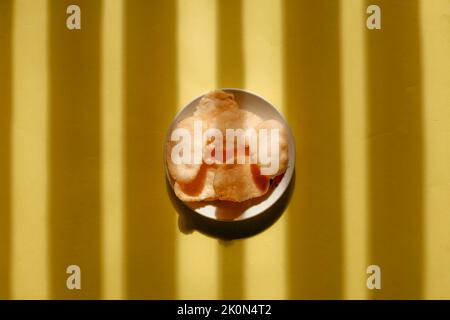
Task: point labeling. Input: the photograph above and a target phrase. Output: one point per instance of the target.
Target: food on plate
(240, 182)
(223, 152)
(182, 172)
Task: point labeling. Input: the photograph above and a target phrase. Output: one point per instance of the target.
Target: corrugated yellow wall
(83, 115)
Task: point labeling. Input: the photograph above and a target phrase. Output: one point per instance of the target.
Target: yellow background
(83, 115)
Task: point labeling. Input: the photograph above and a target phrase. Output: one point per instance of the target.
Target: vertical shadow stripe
(312, 97)
(5, 147)
(396, 150)
(151, 99)
(74, 149)
(230, 74)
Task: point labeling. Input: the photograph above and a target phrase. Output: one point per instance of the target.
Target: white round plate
(233, 211)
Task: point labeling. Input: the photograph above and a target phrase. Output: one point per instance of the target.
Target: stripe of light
(435, 37)
(265, 260)
(112, 150)
(354, 162)
(29, 263)
(197, 255)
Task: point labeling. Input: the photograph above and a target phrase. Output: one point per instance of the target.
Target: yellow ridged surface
(435, 34)
(29, 209)
(112, 150)
(265, 254)
(197, 255)
(83, 116)
(354, 146)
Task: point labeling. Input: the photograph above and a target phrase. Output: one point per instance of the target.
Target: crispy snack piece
(183, 173)
(239, 182)
(220, 110)
(283, 144)
(234, 119)
(201, 189)
(228, 182)
(215, 103)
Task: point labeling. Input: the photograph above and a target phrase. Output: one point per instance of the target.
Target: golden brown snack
(183, 173)
(234, 119)
(239, 182)
(215, 103)
(213, 180)
(201, 189)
